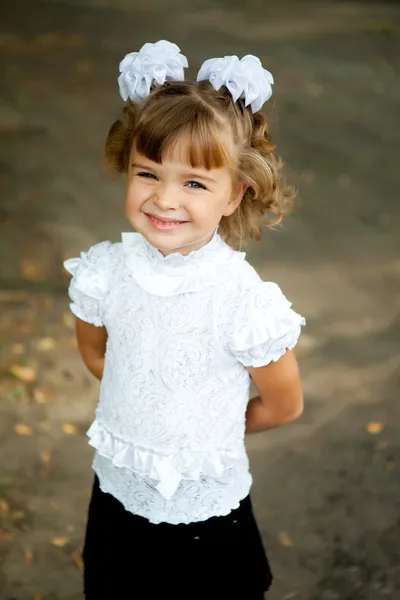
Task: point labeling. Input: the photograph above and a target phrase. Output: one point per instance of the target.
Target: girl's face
(177, 207)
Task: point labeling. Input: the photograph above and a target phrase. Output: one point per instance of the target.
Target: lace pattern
(169, 432)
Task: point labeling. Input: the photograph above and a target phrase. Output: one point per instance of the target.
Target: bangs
(184, 130)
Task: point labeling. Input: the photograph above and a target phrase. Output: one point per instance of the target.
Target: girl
(175, 322)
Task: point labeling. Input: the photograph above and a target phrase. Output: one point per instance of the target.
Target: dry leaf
(25, 374)
(285, 539)
(18, 515)
(46, 343)
(68, 320)
(375, 427)
(315, 89)
(390, 466)
(31, 270)
(45, 425)
(69, 429)
(77, 558)
(18, 348)
(308, 176)
(382, 445)
(344, 180)
(43, 395)
(54, 505)
(38, 597)
(59, 541)
(83, 67)
(48, 303)
(22, 429)
(45, 457)
(6, 536)
(4, 508)
(28, 557)
(48, 40)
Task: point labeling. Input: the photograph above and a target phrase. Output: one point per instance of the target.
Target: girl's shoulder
(262, 323)
(92, 274)
(100, 259)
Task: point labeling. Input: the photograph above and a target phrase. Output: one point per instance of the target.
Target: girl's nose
(166, 198)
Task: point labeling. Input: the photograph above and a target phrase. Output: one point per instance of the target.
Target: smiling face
(175, 206)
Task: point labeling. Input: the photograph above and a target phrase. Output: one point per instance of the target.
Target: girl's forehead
(178, 159)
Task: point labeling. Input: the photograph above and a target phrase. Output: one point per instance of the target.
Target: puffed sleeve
(90, 283)
(264, 326)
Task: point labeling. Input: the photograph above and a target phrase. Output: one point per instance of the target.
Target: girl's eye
(195, 185)
(147, 175)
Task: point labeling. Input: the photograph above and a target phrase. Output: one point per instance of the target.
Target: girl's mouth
(164, 224)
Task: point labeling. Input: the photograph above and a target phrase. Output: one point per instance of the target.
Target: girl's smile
(164, 224)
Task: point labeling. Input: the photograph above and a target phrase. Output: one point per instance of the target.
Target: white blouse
(170, 424)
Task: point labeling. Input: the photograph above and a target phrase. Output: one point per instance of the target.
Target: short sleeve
(91, 274)
(264, 327)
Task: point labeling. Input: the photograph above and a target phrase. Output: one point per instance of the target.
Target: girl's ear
(236, 199)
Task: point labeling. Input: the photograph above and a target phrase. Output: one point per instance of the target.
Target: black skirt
(127, 557)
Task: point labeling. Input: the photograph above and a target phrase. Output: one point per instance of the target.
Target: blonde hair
(220, 133)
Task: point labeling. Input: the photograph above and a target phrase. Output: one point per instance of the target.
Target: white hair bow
(246, 78)
(154, 62)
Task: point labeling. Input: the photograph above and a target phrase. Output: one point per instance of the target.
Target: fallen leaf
(48, 303)
(83, 67)
(315, 89)
(18, 515)
(285, 539)
(344, 181)
(54, 505)
(28, 557)
(22, 429)
(6, 536)
(4, 507)
(390, 465)
(382, 445)
(18, 348)
(69, 429)
(43, 395)
(45, 425)
(47, 40)
(308, 176)
(68, 320)
(11, 42)
(25, 374)
(77, 558)
(375, 427)
(25, 328)
(31, 270)
(46, 343)
(38, 597)
(59, 541)
(45, 456)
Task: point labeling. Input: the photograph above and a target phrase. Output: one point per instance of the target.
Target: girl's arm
(281, 397)
(92, 346)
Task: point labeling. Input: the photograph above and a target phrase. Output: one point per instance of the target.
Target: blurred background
(326, 489)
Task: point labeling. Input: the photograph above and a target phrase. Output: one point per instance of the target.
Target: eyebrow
(144, 167)
(188, 174)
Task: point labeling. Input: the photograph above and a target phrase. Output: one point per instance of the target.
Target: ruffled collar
(177, 274)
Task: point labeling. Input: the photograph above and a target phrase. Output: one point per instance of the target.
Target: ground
(326, 488)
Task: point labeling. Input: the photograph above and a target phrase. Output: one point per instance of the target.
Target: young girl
(175, 323)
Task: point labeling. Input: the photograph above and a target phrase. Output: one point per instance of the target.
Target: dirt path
(326, 488)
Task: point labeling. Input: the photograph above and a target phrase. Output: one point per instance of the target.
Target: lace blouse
(170, 423)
